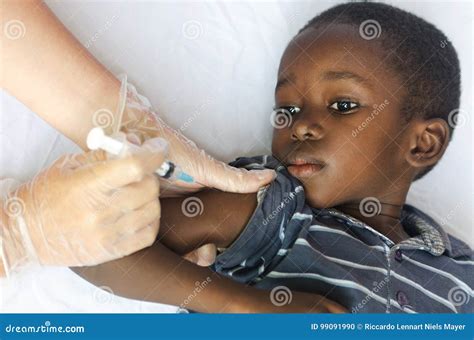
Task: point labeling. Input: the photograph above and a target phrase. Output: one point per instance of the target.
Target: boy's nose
(304, 129)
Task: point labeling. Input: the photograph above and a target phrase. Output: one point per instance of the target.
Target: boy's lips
(304, 166)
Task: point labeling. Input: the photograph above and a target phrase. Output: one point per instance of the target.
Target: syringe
(97, 139)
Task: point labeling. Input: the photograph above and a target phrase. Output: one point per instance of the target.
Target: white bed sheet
(210, 69)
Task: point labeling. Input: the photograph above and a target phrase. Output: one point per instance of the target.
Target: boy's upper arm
(209, 216)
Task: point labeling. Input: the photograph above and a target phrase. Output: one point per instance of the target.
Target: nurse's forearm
(45, 67)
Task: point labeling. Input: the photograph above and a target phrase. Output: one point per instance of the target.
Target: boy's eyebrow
(285, 80)
(337, 75)
(328, 75)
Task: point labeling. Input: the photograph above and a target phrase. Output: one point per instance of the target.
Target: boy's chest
(366, 275)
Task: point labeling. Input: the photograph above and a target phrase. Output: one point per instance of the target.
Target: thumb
(227, 178)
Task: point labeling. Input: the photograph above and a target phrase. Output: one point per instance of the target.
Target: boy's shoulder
(459, 249)
(433, 233)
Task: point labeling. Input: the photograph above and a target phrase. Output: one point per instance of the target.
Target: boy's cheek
(279, 143)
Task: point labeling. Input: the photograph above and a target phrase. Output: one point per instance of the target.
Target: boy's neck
(386, 222)
(383, 215)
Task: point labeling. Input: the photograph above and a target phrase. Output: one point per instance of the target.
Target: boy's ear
(428, 142)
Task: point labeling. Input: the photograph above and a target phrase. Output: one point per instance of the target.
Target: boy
(364, 106)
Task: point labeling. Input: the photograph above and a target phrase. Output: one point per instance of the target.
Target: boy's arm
(209, 216)
(159, 274)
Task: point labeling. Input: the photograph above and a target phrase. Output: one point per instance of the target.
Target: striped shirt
(289, 245)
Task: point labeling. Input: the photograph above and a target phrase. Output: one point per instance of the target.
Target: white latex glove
(84, 209)
(136, 116)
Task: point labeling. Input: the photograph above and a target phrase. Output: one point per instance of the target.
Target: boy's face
(348, 140)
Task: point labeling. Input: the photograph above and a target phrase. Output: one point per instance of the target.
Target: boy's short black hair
(423, 57)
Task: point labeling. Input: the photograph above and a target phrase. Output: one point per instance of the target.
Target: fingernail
(263, 174)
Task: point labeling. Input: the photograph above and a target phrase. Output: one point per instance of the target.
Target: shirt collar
(427, 234)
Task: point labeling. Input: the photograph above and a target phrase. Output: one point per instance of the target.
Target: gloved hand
(84, 209)
(136, 117)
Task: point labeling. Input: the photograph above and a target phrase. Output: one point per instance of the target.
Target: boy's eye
(343, 106)
(287, 110)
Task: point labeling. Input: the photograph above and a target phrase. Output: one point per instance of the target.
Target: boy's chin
(316, 200)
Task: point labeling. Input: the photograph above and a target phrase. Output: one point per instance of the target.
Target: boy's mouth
(304, 166)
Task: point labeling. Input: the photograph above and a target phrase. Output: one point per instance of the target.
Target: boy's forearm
(159, 275)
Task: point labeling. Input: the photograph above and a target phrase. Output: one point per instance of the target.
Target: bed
(209, 69)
